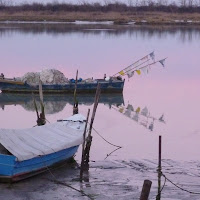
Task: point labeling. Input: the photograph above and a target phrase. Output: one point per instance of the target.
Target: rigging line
(132, 63)
(152, 63)
(191, 192)
(136, 66)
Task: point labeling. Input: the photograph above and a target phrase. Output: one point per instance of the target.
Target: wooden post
(89, 138)
(159, 167)
(75, 107)
(145, 190)
(83, 146)
(160, 152)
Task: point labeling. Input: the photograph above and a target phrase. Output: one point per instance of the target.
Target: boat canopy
(29, 143)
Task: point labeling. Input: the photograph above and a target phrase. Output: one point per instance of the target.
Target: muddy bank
(117, 179)
(150, 18)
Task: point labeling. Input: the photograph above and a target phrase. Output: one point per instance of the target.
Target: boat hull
(82, 87)
(13, 171)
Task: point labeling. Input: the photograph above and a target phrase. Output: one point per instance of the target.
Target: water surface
(172, 90)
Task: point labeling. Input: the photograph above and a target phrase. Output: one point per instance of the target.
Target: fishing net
(47, 76)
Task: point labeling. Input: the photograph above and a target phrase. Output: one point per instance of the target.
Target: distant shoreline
(109, 18)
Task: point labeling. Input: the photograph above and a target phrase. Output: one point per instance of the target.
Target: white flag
(144, 70)
(130, 74)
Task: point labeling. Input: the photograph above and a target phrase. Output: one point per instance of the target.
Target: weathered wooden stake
(89, 138)
(83, 146)
(159, 168)
(160, 152)
(35, 105)
(75, 107)
(145, 190)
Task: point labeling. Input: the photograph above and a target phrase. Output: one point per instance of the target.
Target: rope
(65, 184)
(105, 139)
(159, 193)
(191, 192)
(163, 186)
(112, 152)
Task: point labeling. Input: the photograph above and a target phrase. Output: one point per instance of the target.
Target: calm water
(173, 91)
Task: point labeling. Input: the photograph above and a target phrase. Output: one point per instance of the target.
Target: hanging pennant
(127, 113)
(162, 62)
(152, 55)
(137, 110)
(145, 70)
(122, 73)
(161, 119)
(130, 107)
(135, 117)
(144, 111)
(121, 110)
(138, 72)
(130, 74)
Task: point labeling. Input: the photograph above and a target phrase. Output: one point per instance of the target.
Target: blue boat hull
(12, 170)
(106, 87)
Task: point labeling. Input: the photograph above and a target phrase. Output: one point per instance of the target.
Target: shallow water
(95, 50)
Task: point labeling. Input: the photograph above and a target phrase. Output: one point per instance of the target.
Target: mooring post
(145, 190)
(159, 167)
(75, 107)
(89, 138)
(83, 146)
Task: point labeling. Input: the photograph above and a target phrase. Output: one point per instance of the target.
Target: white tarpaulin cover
(42, 140)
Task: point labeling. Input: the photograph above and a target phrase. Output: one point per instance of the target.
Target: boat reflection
(57, 102)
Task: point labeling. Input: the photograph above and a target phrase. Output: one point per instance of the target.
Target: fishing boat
(27, 152)
(111, 85)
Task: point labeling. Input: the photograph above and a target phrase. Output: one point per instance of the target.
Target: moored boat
(54, 81)
(27, 152)
(110, 86)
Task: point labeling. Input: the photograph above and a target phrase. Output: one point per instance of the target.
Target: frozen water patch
(92, 22)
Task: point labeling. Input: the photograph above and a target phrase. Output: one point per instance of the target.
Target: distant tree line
(183, 6)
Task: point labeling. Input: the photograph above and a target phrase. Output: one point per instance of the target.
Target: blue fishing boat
(113, 85)
(27, 152)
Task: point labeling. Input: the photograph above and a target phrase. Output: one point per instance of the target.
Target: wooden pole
(160, 152)
(75, 107)
(41, 99)
(83, 146)
(89, 138)
(159, 167)
(35, 105)
(145, 190)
